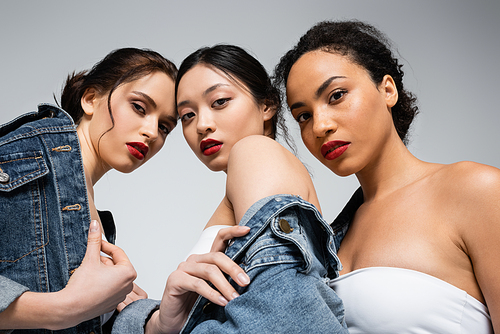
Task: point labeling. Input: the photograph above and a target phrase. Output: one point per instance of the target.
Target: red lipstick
(334, 149)
(210, 146)
(138, 150)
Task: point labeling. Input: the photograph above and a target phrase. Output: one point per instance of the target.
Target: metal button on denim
(4, 177)
(285, 226)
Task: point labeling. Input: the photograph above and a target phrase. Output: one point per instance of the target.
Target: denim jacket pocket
(17, 169)
(23, 198)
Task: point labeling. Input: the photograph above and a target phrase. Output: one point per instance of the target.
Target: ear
(268, 111)
(88, 101)
(390, 91)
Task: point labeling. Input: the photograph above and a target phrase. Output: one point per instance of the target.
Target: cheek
(307, 138)
(158, 145)
(189, 136)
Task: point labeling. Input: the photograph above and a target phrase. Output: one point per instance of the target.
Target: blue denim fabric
(341, 224)
(290, 257)
(132, 319)
(44, 211)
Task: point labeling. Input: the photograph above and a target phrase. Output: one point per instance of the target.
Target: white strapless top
(395, 300)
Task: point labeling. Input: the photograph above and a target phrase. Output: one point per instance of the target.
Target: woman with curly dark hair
(418, 241)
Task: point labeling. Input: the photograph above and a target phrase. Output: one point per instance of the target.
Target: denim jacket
(44, 210)
(289, 255)
(341, 224)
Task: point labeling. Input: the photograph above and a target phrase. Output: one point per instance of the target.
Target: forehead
(313, 68)
(318, 64)
(200, 77)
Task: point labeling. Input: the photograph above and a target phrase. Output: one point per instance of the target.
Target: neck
(93, 165)
(393, 169)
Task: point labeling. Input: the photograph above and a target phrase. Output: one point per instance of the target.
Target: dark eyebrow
(297, 105)
(325, 85)
(319, 91)
(205, 93)
(147, 97)
(212, 88)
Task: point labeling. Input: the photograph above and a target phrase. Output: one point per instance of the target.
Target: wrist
(151, 326)
(34, 310)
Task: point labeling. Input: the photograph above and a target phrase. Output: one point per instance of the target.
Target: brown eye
(303, 117)
(187, 116)
(138, 108)
(220, 102)
(338, 94)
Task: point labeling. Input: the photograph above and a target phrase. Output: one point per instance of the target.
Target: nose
(149, 129)
(206, 122)
(323, 123)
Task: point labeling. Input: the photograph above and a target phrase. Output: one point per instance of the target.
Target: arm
(94, 289)
(191, 277)
(481, 232)
(255, 170)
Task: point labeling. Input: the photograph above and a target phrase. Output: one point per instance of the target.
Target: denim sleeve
(132, 318)
(9, 291)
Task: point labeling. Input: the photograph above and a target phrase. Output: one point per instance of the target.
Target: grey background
(450, 51)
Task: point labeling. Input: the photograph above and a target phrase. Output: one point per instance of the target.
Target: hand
(97, 287)
(226, 234)
(136, 294)
(94, 288)
(190, 280)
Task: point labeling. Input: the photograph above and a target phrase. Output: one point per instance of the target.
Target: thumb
(93, 252)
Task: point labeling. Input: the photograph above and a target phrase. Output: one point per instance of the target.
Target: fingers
(115, 252)
(221, 262)
(180, 282)
(226, 234)
(107, 261)
(141, 294)
(136, 294)
(94, 242)
(210, 267)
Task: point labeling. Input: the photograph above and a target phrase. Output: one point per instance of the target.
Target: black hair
(366, 46)
(241, 67)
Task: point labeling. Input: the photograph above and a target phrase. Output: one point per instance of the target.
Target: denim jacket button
(4, 177)
(285, 226)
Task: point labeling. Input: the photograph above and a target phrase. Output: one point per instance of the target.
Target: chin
(216, 168)
(214, 164)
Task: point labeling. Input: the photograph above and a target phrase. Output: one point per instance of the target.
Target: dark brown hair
(118, 67)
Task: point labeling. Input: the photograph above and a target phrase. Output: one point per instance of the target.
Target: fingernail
(235, 295)
(243, 278)
(94, 226)
(244, 228)
(223, 301)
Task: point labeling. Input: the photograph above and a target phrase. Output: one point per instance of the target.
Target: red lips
(334, 149)
(138, 150)
(210, 146)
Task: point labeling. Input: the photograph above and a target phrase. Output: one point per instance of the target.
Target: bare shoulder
(255, 150)
(471, 179)
(259, 144)
(263, 167)
(468, 194)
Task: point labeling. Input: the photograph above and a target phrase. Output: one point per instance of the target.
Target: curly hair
(364, 45)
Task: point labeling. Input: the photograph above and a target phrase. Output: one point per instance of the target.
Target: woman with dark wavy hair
(418, 241)
(115, 116)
